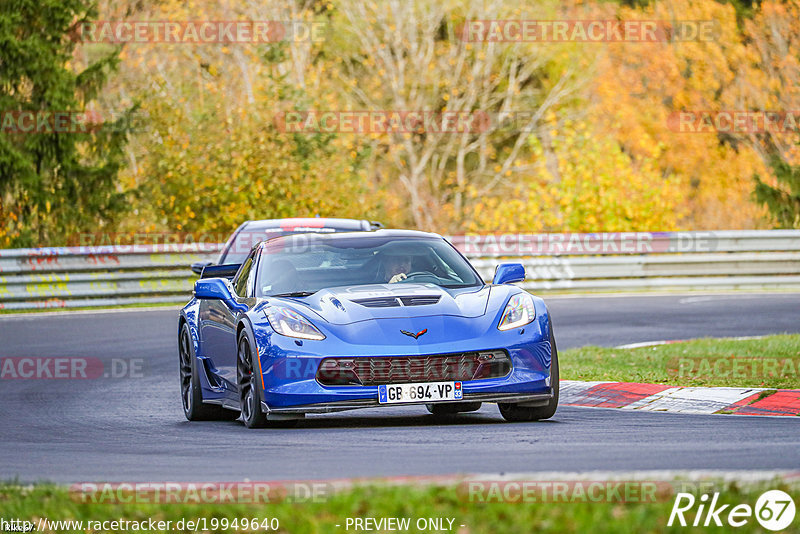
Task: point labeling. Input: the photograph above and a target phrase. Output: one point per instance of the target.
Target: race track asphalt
(133, 429)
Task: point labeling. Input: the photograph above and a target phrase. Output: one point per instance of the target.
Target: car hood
(460, 318)
(346, 305)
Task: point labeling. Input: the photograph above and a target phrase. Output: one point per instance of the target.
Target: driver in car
(397, 268)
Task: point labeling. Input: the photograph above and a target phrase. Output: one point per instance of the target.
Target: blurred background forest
(204, 153)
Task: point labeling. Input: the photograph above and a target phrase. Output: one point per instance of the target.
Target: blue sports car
(316, 323)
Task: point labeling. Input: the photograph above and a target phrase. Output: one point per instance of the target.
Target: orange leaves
(601, 158)
(641, 84)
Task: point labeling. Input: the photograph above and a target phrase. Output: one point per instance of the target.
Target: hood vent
(394, 302)
(379, 302)
(420, 301)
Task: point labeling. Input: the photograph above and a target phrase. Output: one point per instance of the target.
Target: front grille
(375, 370)
(393, 302)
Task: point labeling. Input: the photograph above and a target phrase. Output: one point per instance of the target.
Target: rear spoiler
(228, 271)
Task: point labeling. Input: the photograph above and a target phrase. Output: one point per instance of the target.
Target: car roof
(308, 223)
(292, 225)
(382, 233)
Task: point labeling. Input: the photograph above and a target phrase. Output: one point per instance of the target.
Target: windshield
(238, 246)
(304, 264)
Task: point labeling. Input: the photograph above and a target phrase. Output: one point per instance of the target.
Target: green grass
(771, 362)
(54, 503)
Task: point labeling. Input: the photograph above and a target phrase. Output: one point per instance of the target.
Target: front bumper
(531, 400)
(290, 384)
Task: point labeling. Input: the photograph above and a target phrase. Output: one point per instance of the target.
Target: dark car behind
(251, 232)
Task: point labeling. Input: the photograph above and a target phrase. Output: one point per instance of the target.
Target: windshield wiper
(294, 294)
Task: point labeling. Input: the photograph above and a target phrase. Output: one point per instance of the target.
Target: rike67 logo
(774, 510)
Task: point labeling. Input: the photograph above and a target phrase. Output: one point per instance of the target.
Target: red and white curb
(691, 400)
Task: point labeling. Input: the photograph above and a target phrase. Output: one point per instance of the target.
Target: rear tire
(453, 408)
(516, 413)
(191, 394)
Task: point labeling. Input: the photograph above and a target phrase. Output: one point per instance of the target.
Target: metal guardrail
(68, 277)
(149, 274)
(642, 261)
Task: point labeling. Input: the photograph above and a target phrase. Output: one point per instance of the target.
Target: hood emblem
(412, 334)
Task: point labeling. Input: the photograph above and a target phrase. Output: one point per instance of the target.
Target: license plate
(421, 392)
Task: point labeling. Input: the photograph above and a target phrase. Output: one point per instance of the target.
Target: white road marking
(670, 341)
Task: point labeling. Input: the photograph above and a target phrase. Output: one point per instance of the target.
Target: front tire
(249, 398)
(249, 382)
(516, 413)
(191, 395)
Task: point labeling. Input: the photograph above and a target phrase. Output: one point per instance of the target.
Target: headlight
(518, 312)
(289, 323)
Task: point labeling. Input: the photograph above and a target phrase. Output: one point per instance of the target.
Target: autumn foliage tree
(774, 85)
(53, 183)
(210, 155)
(579, 136)
(401, 56)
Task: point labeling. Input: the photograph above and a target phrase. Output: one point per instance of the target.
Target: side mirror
(198, 266)
(227, 270)
(212, 288)
(508, 273)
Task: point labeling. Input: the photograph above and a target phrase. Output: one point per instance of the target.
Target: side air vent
(393, 302)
